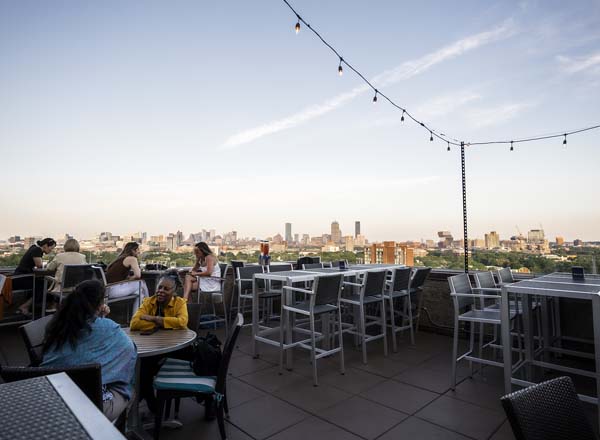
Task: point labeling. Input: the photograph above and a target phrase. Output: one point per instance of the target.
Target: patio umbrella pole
(464, 197)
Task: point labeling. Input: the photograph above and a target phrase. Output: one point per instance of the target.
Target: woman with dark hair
(32, 259)
(206, 266)
(79, 333)
(125, 271)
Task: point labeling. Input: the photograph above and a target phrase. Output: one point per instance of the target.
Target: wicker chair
(548, 411)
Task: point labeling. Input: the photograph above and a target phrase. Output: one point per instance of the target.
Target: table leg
(527, 333)
(506, 341)
(545, 329)
(596, 319)
(134, 421)
(289, 323)
(255, 317)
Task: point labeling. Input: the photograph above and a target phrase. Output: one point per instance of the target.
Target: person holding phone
(207, 268)
(164, 310)
(126, 273)
(32, 259)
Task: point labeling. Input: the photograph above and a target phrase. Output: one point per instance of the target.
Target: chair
(549, 410)
(505, 276)
(234, 265)
(399, 288)
(176, 379)
(8, 298)
(419, 276)
(370, 292)
(72, 275)
(244, 284)
(464, 297)
(87, 377)
(215, 296)
(33, 335)
(312, 266)
(323, 298)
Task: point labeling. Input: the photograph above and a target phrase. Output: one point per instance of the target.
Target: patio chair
(9, 296)
(244, 284)
(33, 335)
(505, 276)
(398, 288)
(370, 291)
(549, 410)
(176, 379)
(215, 296)
(312, 266)
(324, 297)
(87, 377)
(234, 266)
(419, 276)
(72, 275)
(464, 297)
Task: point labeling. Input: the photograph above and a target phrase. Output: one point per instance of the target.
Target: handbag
(206, 355)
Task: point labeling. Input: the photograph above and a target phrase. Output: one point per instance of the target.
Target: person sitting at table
(32, 259)
(125, 271)
(79, 333)
(207, 266)
(163, 310)
(70, 255)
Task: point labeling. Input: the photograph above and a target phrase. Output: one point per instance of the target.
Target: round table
(160, 342)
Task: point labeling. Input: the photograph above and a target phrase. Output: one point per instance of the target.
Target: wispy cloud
(579, 64)
(485, 117)
(403, 72)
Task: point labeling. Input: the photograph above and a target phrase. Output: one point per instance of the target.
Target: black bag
(206, 355)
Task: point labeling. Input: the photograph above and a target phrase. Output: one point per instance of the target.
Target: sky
(162, 116)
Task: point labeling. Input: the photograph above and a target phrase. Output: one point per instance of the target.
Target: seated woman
(32, 259)
(207, 266)
(70, 255)
(163, 310)
(81, 334)
(126, 268)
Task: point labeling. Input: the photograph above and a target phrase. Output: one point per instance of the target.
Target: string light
(448, 146)
(441, 136)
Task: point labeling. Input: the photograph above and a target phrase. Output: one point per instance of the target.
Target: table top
(558, 284)
(51, 407)
(161, 342)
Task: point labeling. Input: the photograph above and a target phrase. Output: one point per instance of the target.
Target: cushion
(178, 375)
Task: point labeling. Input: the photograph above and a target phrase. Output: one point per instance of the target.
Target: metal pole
(464, 196)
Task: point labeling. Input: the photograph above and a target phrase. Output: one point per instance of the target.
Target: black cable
(441, 136)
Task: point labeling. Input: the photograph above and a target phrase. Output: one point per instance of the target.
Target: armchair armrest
(116, 283)
(487, 289)
(298, 289)
(348, 283)
(470, 295)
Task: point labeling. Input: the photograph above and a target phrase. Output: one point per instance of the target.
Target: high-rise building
(171, 242)
(28, 242)
(389, 252)
(560, 241)
(336, 234)
(349, 243)
(288, 232)
(577, 242)
(492, 240)
(296, 238)
(305, 239)
(446, 239)
(535, 236)
(179, 238)
(356, 229)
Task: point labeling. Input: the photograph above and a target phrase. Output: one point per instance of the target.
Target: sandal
(25, 313)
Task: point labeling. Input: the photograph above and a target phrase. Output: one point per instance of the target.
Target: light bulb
(340, 70)
(375, 96)
(431, 137)
(448, 147)
(511, 146)
(297, 27)
(565, 140)
(402, 118)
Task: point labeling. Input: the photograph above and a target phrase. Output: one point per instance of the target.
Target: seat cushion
(305, 307)
(178, 375)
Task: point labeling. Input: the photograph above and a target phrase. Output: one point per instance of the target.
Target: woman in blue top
(80, 334)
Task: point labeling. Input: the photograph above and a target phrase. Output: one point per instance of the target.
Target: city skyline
(165, 116)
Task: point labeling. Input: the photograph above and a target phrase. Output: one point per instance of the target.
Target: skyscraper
(288, 232)
(356, 229)
(336, 234)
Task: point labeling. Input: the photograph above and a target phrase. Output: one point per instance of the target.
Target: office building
(356, 229)
(336, 234)
(288, 232)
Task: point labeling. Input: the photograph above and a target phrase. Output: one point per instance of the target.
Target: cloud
(485, 117)
(403, 72)
(579, 64)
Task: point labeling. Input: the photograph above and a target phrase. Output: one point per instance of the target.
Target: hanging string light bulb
(402, 118)
(340, 70)
(297, 27)
(448, 149)
(511, 146)
(565, 140)
(375, 97)
(431, 136)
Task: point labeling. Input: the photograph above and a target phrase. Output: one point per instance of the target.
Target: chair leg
(454, 354)
(168, 408)
(159, 415)
(281, 336)
(221, 420)
(341, 339)
(419, 309)
(472, 344)
(313, 353)
(363, 333)
(384, 327)
(393, 324)
(225, 405)
(176, 411)
(410, 320)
